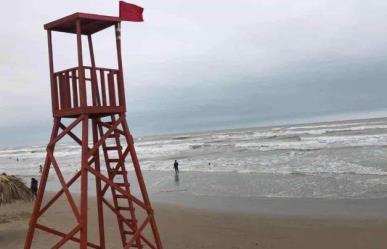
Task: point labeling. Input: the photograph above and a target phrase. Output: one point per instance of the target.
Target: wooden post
(41, 189)
(54, 93)
(94, 79)
(121, 87)
(85, 139)
(98, 188)
(84, 173)
(81, 69)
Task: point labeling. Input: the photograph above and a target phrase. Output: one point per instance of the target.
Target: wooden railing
(102, 90)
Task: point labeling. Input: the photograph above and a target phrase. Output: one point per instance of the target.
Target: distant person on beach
(40, 169)
(176, 167)
(34, 186)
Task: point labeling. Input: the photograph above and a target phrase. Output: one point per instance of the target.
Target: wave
(315, 132)
(198, 146)
(330, 125)
(259, 150)
(322, 173)
(181, 138)
(285, 137)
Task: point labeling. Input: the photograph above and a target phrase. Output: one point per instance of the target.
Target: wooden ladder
(117, 173)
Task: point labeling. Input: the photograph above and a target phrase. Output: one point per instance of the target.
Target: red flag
(131, 12)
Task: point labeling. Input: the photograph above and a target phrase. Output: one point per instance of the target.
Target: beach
(193, 125)
(193, 228)
(320, 185)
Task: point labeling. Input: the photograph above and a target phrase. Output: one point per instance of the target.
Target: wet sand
(190, 228)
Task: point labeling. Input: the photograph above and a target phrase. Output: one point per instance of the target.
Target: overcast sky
(204, 64)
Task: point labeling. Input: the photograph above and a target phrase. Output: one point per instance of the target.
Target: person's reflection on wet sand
(177, 179)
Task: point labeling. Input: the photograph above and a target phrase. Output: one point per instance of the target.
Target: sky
(203, 65)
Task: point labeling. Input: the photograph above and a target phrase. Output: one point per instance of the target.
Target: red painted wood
(107, 99)
(103, 88)
(68, 91)
(91, 23)
(75, 88)
(112, 90)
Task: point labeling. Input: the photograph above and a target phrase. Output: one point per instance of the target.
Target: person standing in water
(176, 167)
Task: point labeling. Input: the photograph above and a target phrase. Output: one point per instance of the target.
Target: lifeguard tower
(94, 99)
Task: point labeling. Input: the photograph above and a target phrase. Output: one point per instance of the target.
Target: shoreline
(193, 228)
(209, 192)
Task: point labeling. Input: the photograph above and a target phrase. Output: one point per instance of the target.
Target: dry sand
(184, 228)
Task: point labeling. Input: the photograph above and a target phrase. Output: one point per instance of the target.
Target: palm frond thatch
(12, 188)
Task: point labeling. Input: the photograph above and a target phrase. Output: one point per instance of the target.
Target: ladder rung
(113, 160)
(118, 172)
(121, 196)
(131, 222)
(111, 135)
(125, 208)
(120, 183)
(128, 232)
(136, 246)
(113, 147)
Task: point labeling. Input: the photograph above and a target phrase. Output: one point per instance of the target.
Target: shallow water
(326, 160)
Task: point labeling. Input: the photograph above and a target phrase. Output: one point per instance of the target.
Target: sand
(188, 228)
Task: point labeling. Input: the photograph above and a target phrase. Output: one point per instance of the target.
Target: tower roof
(90, 23)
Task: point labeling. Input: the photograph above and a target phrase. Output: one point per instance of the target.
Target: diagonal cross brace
(116, 187)
(108, 126)
(66, 238)
(60, 234)
(71, 134)
(103, 138)
(64, 186)
(65, 131)
(137, 233)
(59, 193)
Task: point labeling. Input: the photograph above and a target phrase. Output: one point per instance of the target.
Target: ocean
(330, 160)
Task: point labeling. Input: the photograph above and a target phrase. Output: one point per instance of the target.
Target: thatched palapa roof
(12, 188)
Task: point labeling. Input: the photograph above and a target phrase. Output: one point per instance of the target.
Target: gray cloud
(213, 64)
